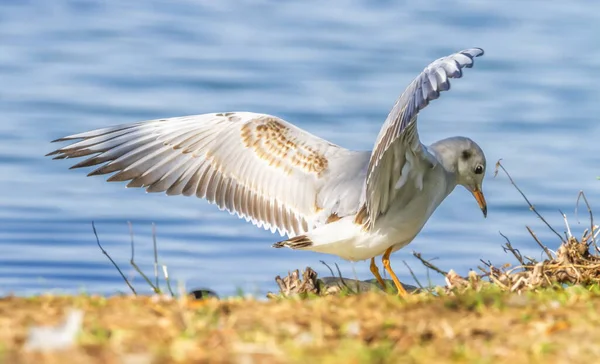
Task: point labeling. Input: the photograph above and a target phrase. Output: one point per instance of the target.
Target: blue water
(333, 68)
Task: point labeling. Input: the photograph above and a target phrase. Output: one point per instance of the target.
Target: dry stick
(531, 207)
(568, 233)
(155, 256)
(343, 281)
(112, 261)
(483, 270)
(132, 261)
(164, 267)
(168, 280)
(429, 282)
(582, 195)
(485, 273)
(328, 267)
(497, 281)
(546, 250)
(515, 252)
(413, 275)
(487, 264)
(428, 264)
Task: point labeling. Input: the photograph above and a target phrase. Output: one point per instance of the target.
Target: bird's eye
(479, 169)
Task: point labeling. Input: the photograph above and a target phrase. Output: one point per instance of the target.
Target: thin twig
(582, 195)
(483, 270)
(339, 272)
(487, 264)
(111, 260)
(342, 278)
(430, 284)
(515, 252)
(132, 261)
(413, 275)
(428, 264)
(531, 207)
(155, 256)
(568, 232)
(539, 243)
(167, 280)
(328, 267)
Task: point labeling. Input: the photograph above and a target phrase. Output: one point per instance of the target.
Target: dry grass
(534, 312)
(576, 261)
(486, 326)
(573, 263)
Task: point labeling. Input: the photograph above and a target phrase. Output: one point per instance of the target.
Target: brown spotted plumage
(274, 142)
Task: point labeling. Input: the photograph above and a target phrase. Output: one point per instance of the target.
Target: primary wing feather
(399, 160)
(261, 167)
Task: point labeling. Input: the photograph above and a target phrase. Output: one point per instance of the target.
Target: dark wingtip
(279, 244)
(63, 139)
(86, 163)
(481, 52)
(472, 53)
(52, 153)
(117, 177)
(95, 172)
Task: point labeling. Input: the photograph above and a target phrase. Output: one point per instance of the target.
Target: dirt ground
(550, 326)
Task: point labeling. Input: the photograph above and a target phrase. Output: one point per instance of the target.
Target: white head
(466, 160)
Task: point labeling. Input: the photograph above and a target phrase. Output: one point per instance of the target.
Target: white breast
(397, 227)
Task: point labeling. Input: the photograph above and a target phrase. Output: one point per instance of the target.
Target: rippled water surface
(333, 68)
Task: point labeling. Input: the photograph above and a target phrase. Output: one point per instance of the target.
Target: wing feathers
(399, 134)
(255, 165)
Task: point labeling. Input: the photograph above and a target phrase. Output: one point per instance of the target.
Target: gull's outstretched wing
(399, 160)
(259, 166)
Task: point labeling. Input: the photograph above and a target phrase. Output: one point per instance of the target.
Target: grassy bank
(531, 311)
(490, 326)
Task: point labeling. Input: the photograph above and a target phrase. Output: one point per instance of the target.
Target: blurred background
(333, 68)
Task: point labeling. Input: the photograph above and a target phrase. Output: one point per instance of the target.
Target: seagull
(322, 197)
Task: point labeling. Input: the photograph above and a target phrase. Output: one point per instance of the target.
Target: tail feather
(297, 242)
